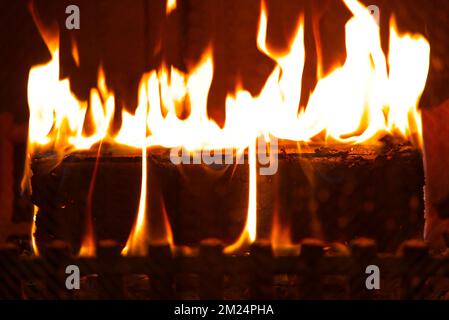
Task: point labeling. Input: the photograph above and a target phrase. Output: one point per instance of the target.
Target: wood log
(189, 195)
(347, 192)
(336, 194)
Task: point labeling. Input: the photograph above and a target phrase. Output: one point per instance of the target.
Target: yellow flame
(282, 92)
(171, 6)
(249, 233)
(138, 240)
(280, 234)
(137, 243)
(33, 231)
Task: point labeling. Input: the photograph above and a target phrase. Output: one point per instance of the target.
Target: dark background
(130, 38)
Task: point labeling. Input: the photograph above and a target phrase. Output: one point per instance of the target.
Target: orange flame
(33, 230)
(171, 6)
(280, 229)
(137, 243)
(88, 248)
(138, 240)
(249, 233)
(162, 234)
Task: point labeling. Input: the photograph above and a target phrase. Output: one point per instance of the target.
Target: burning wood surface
(368, 96)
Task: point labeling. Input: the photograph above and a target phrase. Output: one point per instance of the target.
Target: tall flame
(33, 230)
(249, 233)
(171, 6)
(354, 103)
(409, 66)
(88, 247)
(138, 240)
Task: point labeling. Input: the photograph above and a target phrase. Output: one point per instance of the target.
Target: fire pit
(292, 185)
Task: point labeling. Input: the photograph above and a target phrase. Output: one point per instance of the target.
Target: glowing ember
(357, 102)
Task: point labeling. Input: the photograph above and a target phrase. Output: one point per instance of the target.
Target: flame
(137, 243)
(88, 248)
(369, 95)
(280, 231)
(138, 239)
(33, 231)
(171, 6)
(409, 66)
(160, 232)
(167, 228)
(75, 52)
(282, 91)
(249, 233)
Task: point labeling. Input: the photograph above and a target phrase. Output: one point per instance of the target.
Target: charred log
(333, 193)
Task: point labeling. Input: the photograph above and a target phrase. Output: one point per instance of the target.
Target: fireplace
(218, 150)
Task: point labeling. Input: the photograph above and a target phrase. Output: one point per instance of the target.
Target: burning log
(333, 193)
(61, 194)
(347, 192)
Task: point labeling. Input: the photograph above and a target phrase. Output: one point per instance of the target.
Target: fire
(88, 248)
(171, 6)
(138, 240)
(371, 94)
(249, 232)
(167, 236)
(75, 52)
(407, 82)
(33, 230)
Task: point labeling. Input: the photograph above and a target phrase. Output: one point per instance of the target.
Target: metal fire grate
(256, 273)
